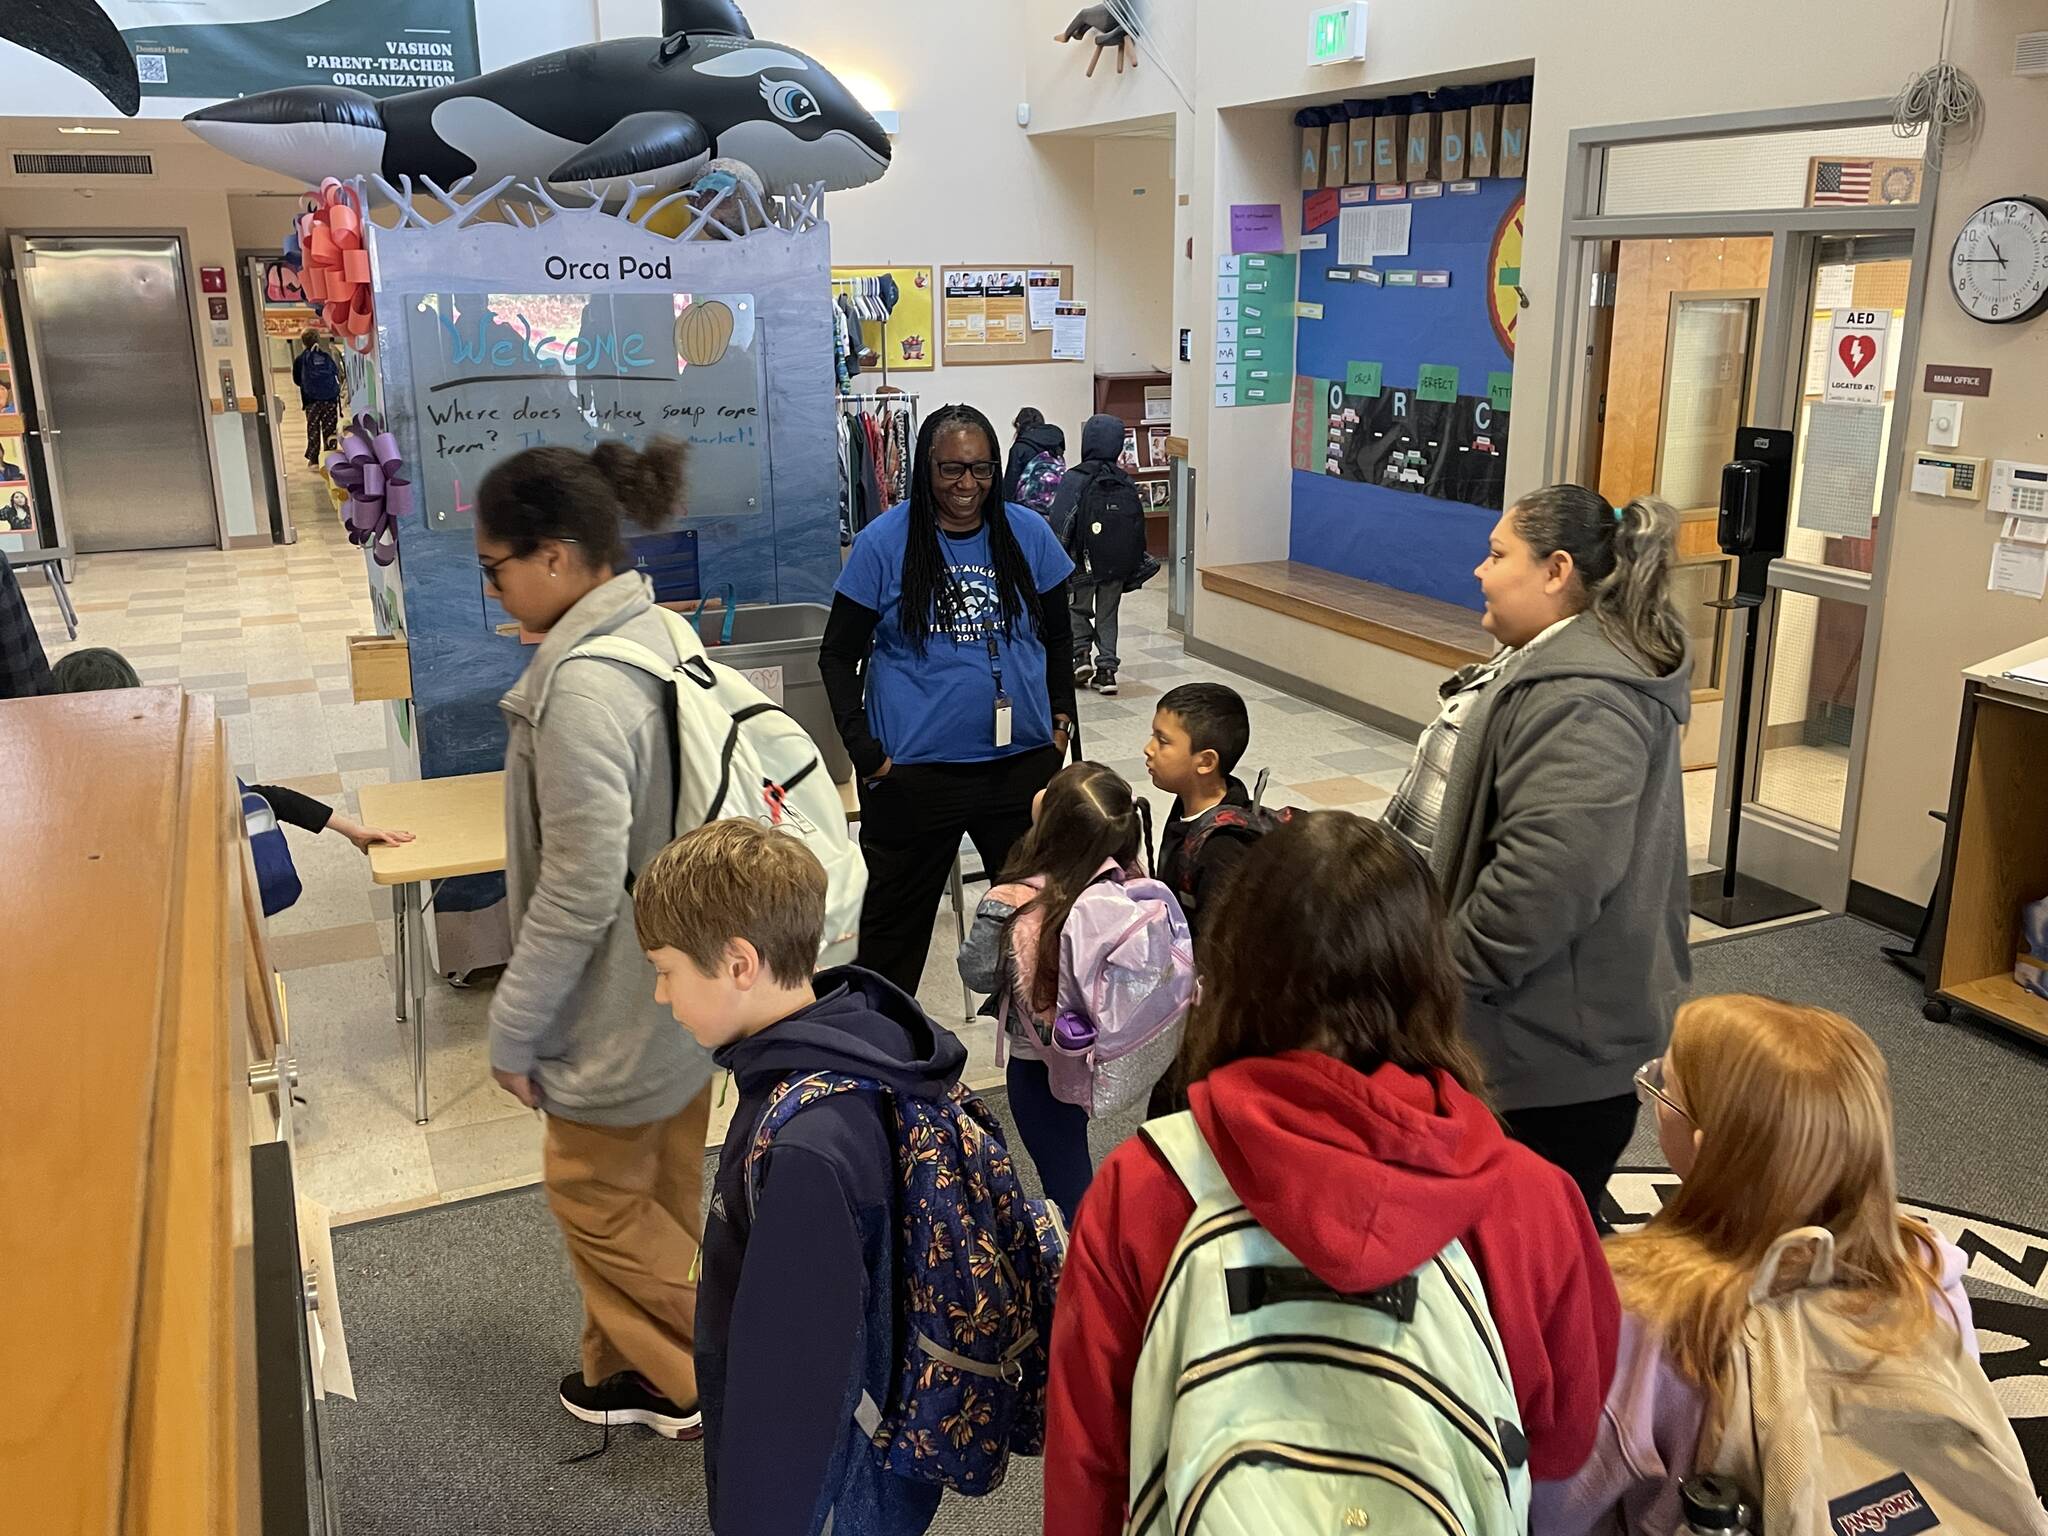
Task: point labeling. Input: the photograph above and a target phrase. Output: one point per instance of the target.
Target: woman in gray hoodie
(575, 1030)
(1547, 795)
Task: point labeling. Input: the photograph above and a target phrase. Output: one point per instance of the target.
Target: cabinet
(138, 996)
(1995, 853)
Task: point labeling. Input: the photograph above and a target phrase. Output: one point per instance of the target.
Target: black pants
(1585, 1140)
(911, 823)
(322, 418)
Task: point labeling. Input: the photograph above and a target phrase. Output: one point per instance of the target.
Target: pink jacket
(1650, 1431)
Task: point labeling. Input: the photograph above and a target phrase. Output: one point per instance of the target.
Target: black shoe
(1084, 672)
(628, 1399)
(1104, 682)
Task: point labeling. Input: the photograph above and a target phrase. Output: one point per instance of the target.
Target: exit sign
(1336, 34)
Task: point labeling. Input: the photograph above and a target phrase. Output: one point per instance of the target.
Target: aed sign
(1336, 34)
(1856, 356)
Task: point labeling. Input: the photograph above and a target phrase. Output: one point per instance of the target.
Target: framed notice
(986, 314)
(224, 48)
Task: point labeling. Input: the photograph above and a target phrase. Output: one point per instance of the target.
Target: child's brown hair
(734, 879)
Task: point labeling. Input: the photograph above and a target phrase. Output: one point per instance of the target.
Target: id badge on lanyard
(1004, 713)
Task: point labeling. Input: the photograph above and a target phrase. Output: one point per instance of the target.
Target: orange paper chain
(336, 268)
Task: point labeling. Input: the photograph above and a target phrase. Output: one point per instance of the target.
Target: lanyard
(995, 660)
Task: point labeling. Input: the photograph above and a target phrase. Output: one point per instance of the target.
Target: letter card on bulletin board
(985, 314)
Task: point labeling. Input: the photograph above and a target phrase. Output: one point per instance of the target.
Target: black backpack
(1107, 539)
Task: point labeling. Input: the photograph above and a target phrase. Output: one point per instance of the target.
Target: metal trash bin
(776, 646)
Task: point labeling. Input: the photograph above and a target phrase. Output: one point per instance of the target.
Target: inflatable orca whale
(78, 35)
(645, 110)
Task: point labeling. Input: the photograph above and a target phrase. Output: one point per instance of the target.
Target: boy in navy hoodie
(796, 1308)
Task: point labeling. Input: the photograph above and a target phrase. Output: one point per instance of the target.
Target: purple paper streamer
(367, 468)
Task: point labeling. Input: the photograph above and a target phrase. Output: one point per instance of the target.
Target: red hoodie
(1363, 1178)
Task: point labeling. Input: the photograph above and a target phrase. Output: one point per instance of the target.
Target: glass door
(1820, 617)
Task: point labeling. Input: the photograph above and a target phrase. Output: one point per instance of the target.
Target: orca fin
(703, 16)
(643, 144)
(80, 37)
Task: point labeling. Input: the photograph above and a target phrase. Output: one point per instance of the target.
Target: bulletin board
(1404, 393)
(908, 340)
(1037, 345)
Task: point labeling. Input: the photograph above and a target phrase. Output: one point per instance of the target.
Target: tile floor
(262, 631)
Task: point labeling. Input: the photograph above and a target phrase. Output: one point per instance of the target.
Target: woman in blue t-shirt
(946, 660)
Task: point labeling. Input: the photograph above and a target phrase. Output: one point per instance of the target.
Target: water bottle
(1714, 1506)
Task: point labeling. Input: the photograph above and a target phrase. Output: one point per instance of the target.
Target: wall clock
(1999, 268)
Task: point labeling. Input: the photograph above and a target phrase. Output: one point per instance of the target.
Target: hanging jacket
(1030, 443)
(1102, 442)
(1362, 1177)
(797, 1305)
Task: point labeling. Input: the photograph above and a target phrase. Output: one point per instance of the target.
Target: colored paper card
(1372, 276)
(1362, 379)
(1226, 309)
(1255, 227)
(1426, 189)
(1397, 193)
(1402, 279)
(1226, 351)
(1339, 274)
(1315, 242)
(1462, 188)
(1227, 266)
(1355, 195)
(1435, 381)
(1249, 332)
(1318, 208)
(1226, 373)
(1226, 395)
(1437, 279)
(1226, 330)
(1308, 311)
(1263, 261)
(1228, 287)
(1500, 391)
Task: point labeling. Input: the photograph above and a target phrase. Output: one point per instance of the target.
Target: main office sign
(216, 49)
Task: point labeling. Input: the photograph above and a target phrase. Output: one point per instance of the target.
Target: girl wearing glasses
(945, 659)
(1775, 1117)
(575, 1031)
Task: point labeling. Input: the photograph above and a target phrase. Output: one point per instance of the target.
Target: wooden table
(458, 827)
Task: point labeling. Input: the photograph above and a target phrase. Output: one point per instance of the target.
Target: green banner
(1434, 381)
(220, 49)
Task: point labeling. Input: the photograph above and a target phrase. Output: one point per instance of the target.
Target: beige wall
(1938, 617)
(1130, 312)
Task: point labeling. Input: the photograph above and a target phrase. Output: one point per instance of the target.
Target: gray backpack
(1266, 1401)
(1832, 1438)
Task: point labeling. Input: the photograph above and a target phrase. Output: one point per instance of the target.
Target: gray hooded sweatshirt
(1562, 854)
(589, 795)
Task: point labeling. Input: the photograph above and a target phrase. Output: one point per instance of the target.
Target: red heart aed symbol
(1857, 350)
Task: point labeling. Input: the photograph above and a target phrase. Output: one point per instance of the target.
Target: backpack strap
(1819, 1275)
(1178, 1140)
(786, 1101)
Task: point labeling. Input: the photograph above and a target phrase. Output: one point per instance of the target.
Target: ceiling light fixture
(83, 129)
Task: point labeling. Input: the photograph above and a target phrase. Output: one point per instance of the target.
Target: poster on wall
(904, 339)
(227, 48)
(966, 310)
(496, 373)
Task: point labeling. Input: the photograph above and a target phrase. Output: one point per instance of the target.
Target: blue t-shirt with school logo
(940, 707)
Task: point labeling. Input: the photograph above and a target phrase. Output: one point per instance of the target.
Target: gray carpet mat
(463, 1318)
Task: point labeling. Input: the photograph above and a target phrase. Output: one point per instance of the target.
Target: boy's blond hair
(735, 879)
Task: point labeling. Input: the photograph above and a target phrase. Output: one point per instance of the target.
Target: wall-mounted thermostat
(1943, 474)
(1944, 423)
(2018, 489)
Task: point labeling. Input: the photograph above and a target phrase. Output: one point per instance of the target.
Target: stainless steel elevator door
(118, 390)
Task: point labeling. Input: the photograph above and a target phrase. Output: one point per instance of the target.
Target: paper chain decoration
(336, 267)
(368, 470)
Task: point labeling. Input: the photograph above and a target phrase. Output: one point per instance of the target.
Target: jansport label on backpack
(1893, 1507)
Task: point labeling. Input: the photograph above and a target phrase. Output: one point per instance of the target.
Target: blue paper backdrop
(1414, 543)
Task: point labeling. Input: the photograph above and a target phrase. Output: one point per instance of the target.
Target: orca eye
(789, 101)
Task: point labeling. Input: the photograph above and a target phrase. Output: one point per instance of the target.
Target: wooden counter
(125, 1291)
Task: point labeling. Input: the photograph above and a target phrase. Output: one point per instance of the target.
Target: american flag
(1842, 181)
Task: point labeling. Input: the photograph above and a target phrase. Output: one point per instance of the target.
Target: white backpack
(738, 754)
(1265, 1401)
(1830, 1437)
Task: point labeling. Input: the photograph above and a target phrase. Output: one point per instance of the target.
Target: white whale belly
(501, 142)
